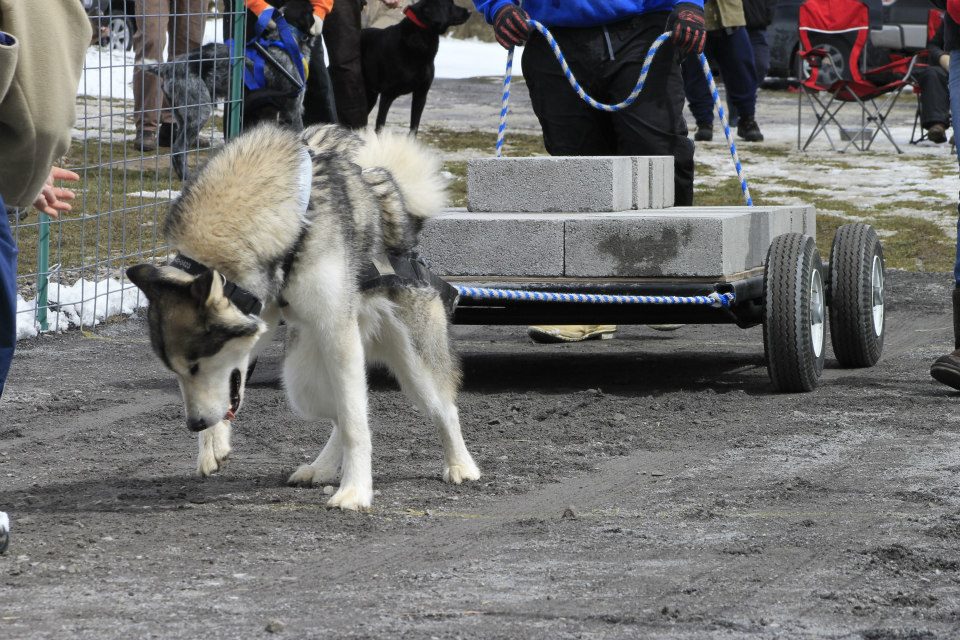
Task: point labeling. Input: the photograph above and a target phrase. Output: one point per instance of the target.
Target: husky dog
(194, 82)
(289, 222)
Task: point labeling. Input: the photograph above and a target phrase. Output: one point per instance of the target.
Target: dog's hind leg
(214, 448)
(325, 468)
(415, 346)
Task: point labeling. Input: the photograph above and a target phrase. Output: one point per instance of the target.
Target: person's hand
(510, 26)
(687, 28)
(391, 4)
(300, 15)
(945, 61)
(52, 200)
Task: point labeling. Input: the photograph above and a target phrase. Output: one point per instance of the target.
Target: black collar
(246, 301)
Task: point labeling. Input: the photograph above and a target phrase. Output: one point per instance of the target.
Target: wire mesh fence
(71, 270)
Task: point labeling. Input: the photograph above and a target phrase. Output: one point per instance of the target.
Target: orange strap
(320, 7)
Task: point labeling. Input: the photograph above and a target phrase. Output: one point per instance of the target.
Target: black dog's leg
(385, 102)
(416, 107)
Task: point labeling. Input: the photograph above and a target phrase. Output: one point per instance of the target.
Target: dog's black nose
(196, 424)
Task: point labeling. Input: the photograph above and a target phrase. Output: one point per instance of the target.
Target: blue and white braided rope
(716, 300)
(641, 81)
(726, 129)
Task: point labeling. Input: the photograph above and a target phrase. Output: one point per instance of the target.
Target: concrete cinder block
(460, 243)
(550, 184)
(652, 182)
(686, 242)
(676, 242)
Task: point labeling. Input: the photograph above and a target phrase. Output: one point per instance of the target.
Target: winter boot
(947, 368)
(749, 130)
(704, 132)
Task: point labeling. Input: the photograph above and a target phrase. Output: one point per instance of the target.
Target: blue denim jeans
(953, 85)
(8, 295)
(734, 55)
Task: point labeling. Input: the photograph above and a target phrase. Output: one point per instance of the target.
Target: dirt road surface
(698, 504)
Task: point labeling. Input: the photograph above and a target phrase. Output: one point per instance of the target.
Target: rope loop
(641, 81)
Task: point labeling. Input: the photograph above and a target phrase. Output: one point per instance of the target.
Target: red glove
(687, 29)
(510, 26)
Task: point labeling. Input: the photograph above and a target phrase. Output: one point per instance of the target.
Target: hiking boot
(704, 132)
(947, 368)
(552, 334)
(145, 141)
(749, 130)
(937, 133)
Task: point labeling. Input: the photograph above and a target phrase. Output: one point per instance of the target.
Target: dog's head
(201, 336)
(439, 15)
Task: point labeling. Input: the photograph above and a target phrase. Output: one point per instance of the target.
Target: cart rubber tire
(857, 310)
(794, 310)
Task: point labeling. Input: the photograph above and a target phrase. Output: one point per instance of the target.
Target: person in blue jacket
(605, 44)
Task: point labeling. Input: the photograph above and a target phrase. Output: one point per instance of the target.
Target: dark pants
(8, 295)
(761, 52)
(341, 31)
(734, 56)
(607, 66)
(934, 97)
(319, 106)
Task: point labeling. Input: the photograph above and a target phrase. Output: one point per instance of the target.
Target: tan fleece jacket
(39, 74)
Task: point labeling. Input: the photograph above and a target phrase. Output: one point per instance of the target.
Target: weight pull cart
(794, 296)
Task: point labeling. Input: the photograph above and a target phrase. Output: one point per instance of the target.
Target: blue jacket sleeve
(489, 8)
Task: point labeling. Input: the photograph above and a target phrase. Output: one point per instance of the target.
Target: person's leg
(654, 124)
(8, 295)
(697, 92)
(341, 31)
(319, 105)
(761, 52)
(947, 368)
(148, 44)
(570, 127)
(934, 100)
(735, 59)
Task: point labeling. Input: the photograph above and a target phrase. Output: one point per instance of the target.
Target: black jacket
(759, 13)
(951, 31)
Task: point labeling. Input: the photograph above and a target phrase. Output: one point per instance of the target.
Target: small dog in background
(195, 82)
(399, 60)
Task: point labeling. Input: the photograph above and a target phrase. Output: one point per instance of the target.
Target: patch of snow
(83, 303)
(472, 58)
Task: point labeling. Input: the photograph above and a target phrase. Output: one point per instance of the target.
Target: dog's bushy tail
(414, 168)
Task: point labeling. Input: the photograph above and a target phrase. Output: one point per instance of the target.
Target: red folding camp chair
(934, 20)
(834, 37)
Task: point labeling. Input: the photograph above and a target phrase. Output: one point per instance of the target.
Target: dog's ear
(207, 288)
(146, 277)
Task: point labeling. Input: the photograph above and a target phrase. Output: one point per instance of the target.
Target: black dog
(399, 60)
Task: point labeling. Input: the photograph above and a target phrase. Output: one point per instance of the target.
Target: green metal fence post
(236, 69)
(43, 269)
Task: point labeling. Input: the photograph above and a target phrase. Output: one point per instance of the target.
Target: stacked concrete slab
(596, 217)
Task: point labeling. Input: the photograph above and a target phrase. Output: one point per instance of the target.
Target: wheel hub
(817, 315)
(876, 299)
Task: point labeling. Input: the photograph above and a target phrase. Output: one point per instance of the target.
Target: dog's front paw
(309, 475)
(351, 498)
(214, 448)
(458, 473)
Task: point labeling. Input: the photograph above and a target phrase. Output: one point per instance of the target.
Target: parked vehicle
(899, 24)
(114, 21)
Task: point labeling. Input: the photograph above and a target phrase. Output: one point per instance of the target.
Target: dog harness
(393, 270)
(253, 78)
(246, 301)
(386, 271)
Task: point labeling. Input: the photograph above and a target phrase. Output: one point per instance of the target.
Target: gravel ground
(647, 486)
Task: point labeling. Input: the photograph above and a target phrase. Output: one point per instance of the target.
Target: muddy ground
(701, 505)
